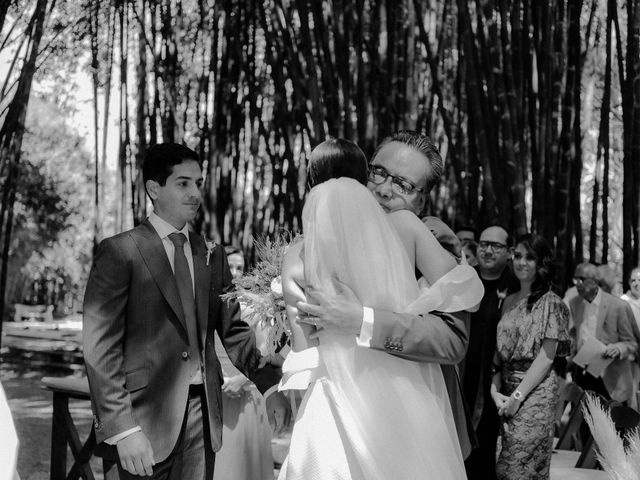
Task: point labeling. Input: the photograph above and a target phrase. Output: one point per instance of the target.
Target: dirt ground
(32, 409)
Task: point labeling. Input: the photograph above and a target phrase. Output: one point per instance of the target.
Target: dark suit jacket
(439, 338)
(136, 348)
(614, 326)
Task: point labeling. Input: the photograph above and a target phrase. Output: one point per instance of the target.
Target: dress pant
(481, 463)
(192, 457)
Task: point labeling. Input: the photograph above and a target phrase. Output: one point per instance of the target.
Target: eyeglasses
(528, 257)
(495, 246)
(581, 280)
(399, 185)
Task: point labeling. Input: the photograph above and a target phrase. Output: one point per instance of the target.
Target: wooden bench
(33, 312)
(65, 434)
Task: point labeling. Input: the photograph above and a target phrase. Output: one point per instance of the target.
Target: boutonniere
(502, 294)
(210, 245)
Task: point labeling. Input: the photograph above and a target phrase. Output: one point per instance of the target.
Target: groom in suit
(403, 170)
(151, 307)
(596, 313)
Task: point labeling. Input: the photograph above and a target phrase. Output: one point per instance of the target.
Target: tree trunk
(11, 134)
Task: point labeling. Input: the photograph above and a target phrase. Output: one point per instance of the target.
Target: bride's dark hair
(335, 158)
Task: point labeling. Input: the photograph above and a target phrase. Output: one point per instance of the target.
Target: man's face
(406, 163)
(493, 252)
(178, 200)
(236, 264)
(586, 282)
(634, 282)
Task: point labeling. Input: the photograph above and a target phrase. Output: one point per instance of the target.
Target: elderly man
(404, 168)
(598, 314)
(499, 281)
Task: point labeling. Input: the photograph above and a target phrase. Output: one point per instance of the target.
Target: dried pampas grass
(619, 463)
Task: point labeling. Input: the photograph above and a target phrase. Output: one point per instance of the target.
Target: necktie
(185, 288)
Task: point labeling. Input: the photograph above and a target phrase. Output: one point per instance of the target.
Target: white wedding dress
(368, 415)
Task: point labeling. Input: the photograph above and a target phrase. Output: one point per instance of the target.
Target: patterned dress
(527, 437)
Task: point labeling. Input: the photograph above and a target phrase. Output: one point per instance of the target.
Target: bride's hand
(339, 313)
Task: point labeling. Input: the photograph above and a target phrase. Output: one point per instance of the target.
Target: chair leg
(59, 438)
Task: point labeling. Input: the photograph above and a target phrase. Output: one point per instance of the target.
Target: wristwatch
(518, 395)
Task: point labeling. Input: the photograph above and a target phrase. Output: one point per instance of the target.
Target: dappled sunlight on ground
(32, 409)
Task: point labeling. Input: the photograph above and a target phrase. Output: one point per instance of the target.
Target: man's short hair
(422, 144)
(588, 269)
(161, 158)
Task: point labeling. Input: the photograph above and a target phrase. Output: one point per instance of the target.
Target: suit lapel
(602, 313)
(202, 282)
(155, 257)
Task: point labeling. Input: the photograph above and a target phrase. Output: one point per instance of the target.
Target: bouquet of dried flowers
(260, 291)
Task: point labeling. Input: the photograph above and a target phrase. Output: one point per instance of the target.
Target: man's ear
(152, 189)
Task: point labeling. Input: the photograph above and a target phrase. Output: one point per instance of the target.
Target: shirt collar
(164, 228)
(596, 301)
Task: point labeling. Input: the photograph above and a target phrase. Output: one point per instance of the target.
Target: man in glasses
(475, 370)
(598, 314)
(404, 168)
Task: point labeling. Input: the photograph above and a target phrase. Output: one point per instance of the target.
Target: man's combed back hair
(422, 144)
(161, 158)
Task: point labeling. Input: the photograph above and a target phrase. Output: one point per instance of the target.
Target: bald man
(494, 250)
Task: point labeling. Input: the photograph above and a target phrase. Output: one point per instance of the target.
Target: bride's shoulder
(406, 221)
(292, 261)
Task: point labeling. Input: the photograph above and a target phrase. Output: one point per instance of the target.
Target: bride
(366, 414)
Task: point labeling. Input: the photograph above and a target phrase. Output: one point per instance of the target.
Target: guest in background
(608, 281)
(246, 436)
(475, 370)
(466, 233)
(235, 257)
(470, 251)
(534, 328)
(632, 296)
(596, 313)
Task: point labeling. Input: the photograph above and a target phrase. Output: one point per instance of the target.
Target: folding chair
(568, 434)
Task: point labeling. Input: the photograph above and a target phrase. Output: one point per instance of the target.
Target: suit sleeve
(236, 335)
(103, 329)
(628, 340)
(437, 337)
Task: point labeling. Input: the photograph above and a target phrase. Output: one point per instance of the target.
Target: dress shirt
(590, 318)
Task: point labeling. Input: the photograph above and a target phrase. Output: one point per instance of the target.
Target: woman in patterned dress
(532, 331)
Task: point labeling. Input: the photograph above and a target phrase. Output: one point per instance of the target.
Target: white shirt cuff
(121, 436)
(366, 331)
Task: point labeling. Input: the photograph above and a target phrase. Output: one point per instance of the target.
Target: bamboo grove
(518, 95)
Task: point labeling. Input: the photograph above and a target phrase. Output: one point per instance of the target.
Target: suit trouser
(481, 463)
(192, 457)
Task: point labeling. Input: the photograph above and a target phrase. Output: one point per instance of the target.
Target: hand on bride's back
(341, 312)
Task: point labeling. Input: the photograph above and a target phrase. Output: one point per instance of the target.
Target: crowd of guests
(522, 340)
